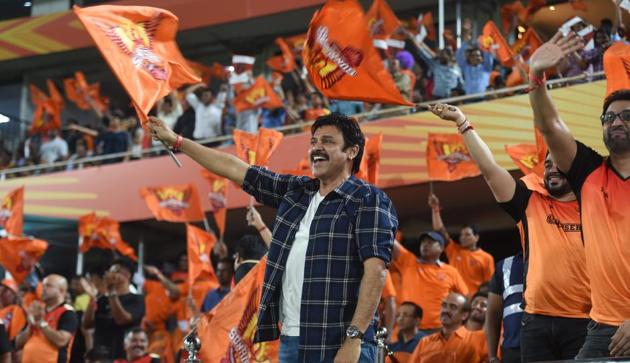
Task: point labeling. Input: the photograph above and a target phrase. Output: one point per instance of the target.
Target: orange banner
(285, 62)
(341, 60)
(382, 21)
(371, 162)
(84, 95)
(490, 38)
(256, 149)
(12, 212)
(103, 232)
(448, 159)
(55, 96)
(199, 246)
(527, 44)
(303, 169)
(138, 43)
(509, 12)
(218, 198)
(296, 42)
(260, 94)
(47, 114)
(19, 255)
(216, 71)
(227, 332)
(429, 25)
(617, 67)
(173, 203)
(524, 156)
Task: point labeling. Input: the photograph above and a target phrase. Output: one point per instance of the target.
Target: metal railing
(361, 117)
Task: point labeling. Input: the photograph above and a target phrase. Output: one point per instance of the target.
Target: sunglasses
(609, 117)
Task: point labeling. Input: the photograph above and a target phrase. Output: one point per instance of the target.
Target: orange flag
(173, 203)
(529, 158)
(448, 159)
(371, 162)
(617, 67)
(303, 169)
(381, 20)
(47, 113)
(532, 7)
(256, 149)
(341, 60)
(199, 247)
(138, 43)
(260, 94)
(527, 44)
(19, 255)
(55, 96)
(80, 92)
(429, 24)
(218, 198)
(492, 38)
(579, 5)
(216, 70)
(285, 62)
(296, 42)
(508, 12)
(103, 232)
(227, 332)
(12, 212)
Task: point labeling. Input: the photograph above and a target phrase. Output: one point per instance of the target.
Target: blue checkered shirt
(355, 222)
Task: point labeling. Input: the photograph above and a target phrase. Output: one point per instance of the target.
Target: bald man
(51, 325)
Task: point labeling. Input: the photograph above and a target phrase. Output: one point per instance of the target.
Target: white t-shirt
(293, 277)
(54, 150)
(207, 117)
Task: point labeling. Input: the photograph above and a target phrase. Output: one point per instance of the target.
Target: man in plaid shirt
(332, 241)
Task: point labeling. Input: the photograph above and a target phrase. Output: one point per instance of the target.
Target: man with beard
(51, 325)
(478, 307)
(602, 187)
(136, 343)
(556, 293)
(453, 343)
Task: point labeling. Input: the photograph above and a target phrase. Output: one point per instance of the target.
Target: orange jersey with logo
(157, 304)
(475, 267)
(38, 349)
(427, 285)
(604, 197)
(463, 346)
(553, 251)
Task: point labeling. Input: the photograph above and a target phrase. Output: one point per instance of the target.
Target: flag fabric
(207, 73)
(426, 21)
(579, 5)
(370, 164)
(199, 247)
(218, 198)
(102, 232)
(227, 332)
(260, 94)
(19, 255)
(173, 203)
(303, 169)
(541, 153)
(55, 96)
(382, 21)
(256, 149)
(491, 38)
(527, 44)
(341, 60)
(138, 43)
(47, 113)
(532, 7)
(509, 12)
(448, 159)
(617, 67)
(12, 212)
(285, 62)
(530, 158)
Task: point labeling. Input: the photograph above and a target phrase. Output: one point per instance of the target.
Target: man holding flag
(331, 244)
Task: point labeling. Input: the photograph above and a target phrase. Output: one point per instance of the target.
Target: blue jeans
(289, 351)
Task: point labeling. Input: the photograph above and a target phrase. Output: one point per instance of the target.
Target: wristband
(465, 126)
(178, 143)
(262, 229)
(537, 82)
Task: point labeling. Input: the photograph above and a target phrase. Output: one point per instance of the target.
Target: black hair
(251, 247)
(416, 308)
(472, 227)
(480, 293)
(227, 261)
(620, 95)
(136, 330)
(484, 288)
(352, 134)
(125, 263)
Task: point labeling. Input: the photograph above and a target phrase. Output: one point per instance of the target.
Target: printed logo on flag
(451, 153)
(377, 26)
(136, 40)
(331, 62)
(217, 195)
(529, 161)
(6, 211)
(172, 199)
(257, 96)
(202, 246)
(27, 261)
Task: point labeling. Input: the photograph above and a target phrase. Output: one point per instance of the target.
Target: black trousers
(546, 338)
(597, 340)
(511, 355)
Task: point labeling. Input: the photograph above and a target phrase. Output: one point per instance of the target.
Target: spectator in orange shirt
(388, 306)
(426, 279)
(453, 343)
(478, 308)
(474, 264)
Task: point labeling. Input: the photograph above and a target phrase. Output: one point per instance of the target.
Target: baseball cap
(434, 236)
(11, 284)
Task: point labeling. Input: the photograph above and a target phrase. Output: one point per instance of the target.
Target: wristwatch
(353, 333)
(43, 324)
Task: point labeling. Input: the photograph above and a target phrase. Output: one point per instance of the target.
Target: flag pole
(430, 187)
(171, 153)
(206, 225)
(141, 261)
(79, 269)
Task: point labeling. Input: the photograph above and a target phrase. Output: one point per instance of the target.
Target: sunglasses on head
(609, 117)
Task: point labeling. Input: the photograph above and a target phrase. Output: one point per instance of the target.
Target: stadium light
(552, 8)
(27, 4)
(4, 119)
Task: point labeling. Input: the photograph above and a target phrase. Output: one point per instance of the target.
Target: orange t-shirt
(463, 346)
(427, 285)
(388, 288)
(14, 319)
(604, 198)
(39, 349)
(157, 304)
(476, 267)
(553, 251)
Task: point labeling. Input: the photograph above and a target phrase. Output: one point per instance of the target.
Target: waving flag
(382, 21)
(341, 60)
(371, 162)
(227, 332)
(200, 244)
(102, 232)
(84, 95)
(138, 43)
(491, 38)
(47, 114)
(256, 149)
(296, 42)
(218, 198)
(19, 255)
(448, 159)
(303, 169)
(285, 62)
(509, 12)
(12, 212)
(527, 44)
(173, 203)
(260, 94)
(55, 96)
